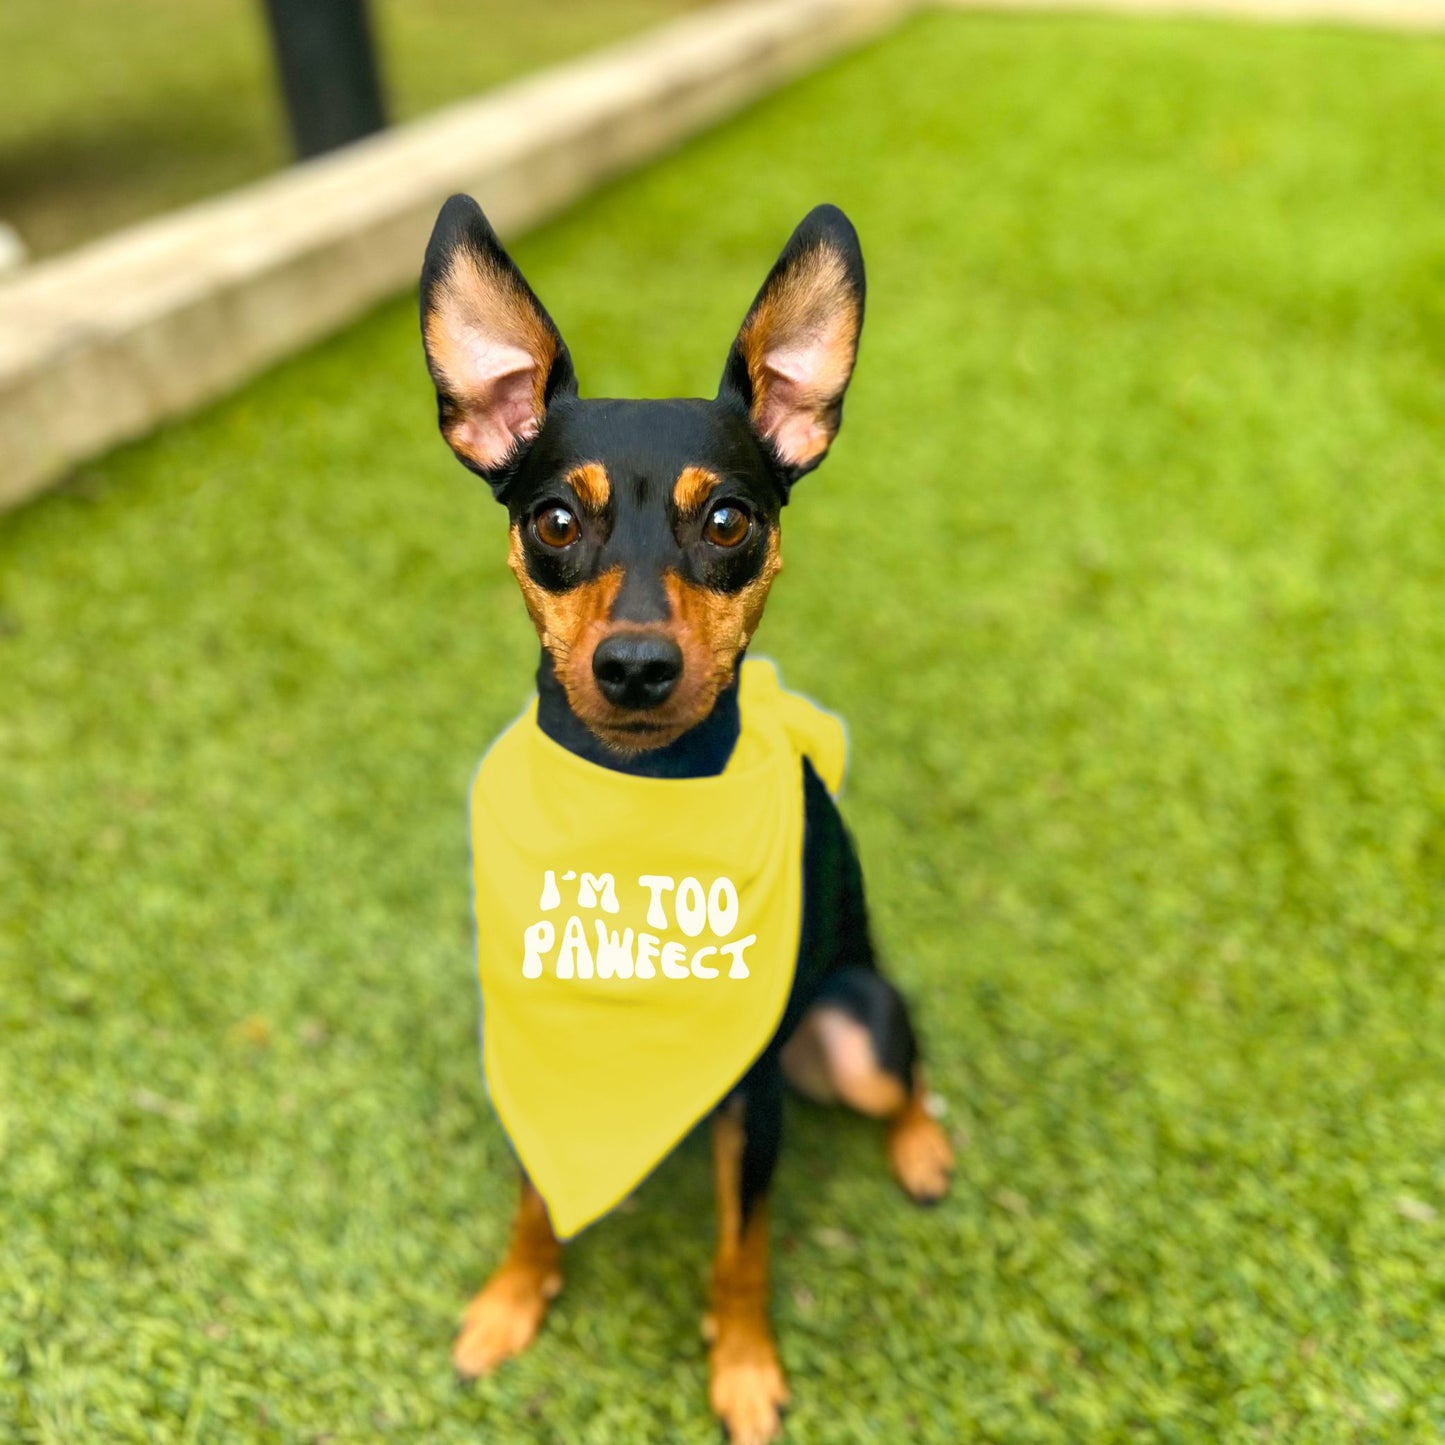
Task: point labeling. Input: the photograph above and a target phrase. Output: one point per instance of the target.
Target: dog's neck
(701, 752)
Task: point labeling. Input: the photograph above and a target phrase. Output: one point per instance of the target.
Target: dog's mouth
(631, 733)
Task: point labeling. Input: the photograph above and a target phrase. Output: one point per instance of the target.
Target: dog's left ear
(496, 358)
(792, 360)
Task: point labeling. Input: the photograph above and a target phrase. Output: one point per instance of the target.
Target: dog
(644, 536)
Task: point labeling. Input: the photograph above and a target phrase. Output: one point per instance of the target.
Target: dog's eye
(727, 526)
(555, 527)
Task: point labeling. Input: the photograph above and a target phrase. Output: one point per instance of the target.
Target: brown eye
(555, 527)
(727, 526)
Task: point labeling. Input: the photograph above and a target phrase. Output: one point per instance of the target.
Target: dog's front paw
(747, 1389)
(503, 1319)
(920, 1155)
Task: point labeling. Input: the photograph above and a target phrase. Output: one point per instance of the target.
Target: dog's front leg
(746, 1379)
(505, 1317)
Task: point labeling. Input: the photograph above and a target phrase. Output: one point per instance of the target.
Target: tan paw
(920, 1156)
(747, 1389)
(503, 1319)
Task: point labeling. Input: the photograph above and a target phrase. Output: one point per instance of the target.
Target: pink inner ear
(499, 400)
(801, 383)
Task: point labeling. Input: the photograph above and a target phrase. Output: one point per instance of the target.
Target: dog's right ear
(495, 356)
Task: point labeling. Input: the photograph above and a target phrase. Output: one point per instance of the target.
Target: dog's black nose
(637, 669)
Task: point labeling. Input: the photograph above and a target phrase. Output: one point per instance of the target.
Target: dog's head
(644, 534)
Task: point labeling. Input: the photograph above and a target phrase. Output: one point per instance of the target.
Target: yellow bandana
(637, 939)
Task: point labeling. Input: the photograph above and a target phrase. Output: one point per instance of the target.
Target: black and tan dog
(645, 537)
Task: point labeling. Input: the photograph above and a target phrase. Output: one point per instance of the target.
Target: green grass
(112, 110)
(1128, 572)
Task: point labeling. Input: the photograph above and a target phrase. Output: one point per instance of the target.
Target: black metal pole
(328, 70)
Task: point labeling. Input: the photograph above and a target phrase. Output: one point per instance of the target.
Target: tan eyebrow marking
(592, 485)
(692, 487)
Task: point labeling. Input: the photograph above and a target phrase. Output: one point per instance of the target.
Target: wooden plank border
(1377, 14)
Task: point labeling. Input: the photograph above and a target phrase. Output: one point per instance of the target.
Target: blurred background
(1127, 572)
(112, 112)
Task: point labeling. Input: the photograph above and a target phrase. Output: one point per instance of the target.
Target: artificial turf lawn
(111, 110)
(1128, 572)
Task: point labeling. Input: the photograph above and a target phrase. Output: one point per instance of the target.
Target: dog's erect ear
(493, 352)
(793, 357)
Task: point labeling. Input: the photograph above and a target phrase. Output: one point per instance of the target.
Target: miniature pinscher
(644, 536)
